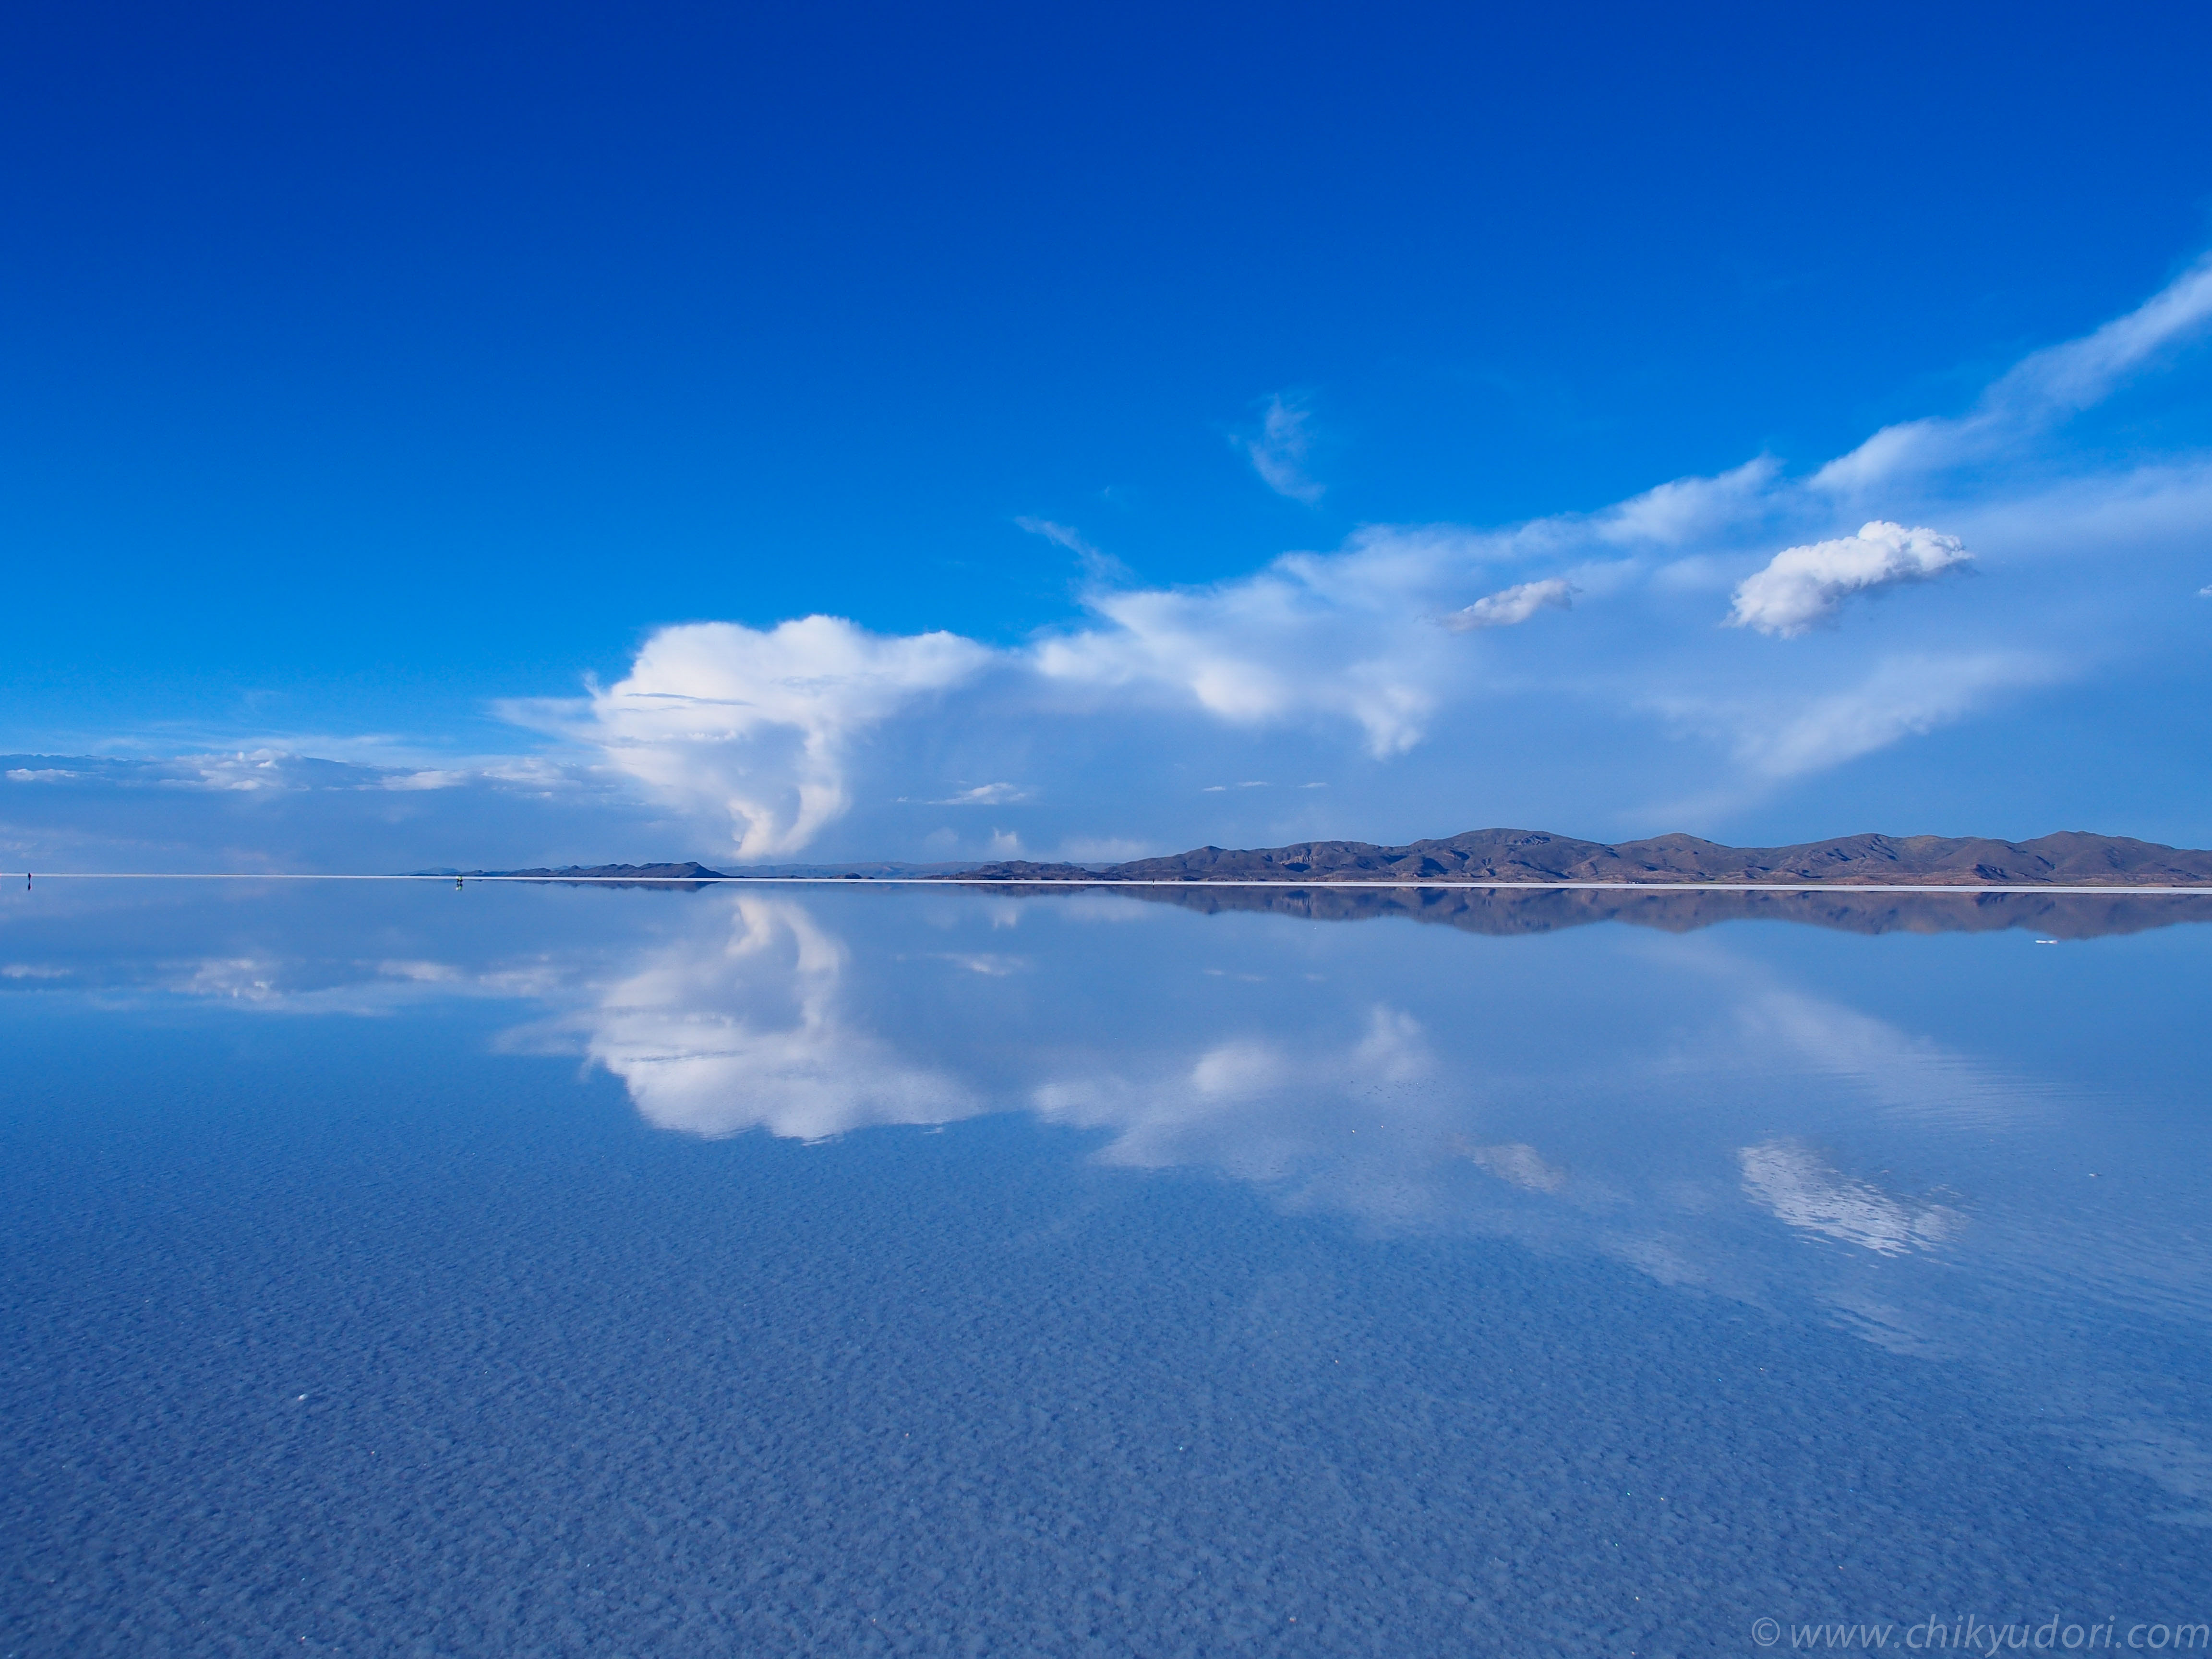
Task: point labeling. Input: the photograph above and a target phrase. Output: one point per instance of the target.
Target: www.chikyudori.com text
(1970, 1633)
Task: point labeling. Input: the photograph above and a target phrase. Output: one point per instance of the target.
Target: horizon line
(29, 876)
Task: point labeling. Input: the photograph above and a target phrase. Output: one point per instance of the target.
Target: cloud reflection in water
(1679, 1105)
(1892, 1131)
(720, 1032)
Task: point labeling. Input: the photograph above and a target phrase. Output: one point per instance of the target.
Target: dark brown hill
(2073, 859)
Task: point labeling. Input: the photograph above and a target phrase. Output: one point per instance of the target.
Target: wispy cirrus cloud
(1776, 738)
(985, 794)
(1278, 453)
(2043, 388)
(1097, 565)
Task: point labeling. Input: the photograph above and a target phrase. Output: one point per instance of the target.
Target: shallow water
(792, 1270)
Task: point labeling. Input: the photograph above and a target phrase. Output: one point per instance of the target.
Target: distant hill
(818, 872)
(605, 872)
(695, 872)
(2074, 858)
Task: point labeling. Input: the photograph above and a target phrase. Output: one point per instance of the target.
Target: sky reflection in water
(1540, 1181)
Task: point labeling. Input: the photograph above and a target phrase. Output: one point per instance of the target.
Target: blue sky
(1234, 427)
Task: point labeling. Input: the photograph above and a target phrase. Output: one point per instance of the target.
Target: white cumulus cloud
(753, 726)
(1803, 587)
(1512, 606)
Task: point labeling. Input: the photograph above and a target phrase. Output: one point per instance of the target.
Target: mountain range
(2072, 859)
(1201, 879)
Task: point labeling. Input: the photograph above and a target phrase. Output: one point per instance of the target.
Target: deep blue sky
(364, 365)
(446, 350)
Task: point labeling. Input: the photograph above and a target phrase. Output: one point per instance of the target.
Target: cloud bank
(275, 808)
(1402, 659)
(1610, 673)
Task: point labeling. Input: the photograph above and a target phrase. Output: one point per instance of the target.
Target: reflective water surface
(805, 1269)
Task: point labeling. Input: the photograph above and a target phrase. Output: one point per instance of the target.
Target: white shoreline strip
(1110, 882)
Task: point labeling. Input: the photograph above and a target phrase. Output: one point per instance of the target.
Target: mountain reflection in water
(1503, 911)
